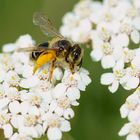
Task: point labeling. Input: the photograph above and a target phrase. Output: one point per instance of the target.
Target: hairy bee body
(58, 49)
(36, 54)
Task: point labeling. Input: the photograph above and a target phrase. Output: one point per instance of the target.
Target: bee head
(75, 56)
(63, 46)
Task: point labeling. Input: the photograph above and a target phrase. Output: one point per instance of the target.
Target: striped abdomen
(36, 54)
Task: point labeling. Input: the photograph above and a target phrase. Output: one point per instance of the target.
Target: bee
(58, 49)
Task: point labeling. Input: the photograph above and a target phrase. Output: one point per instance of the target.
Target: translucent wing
(30, 49)
(45, 24)
(34, 49)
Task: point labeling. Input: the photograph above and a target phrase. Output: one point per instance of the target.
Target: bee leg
(80, 64)
(51, 70)
(43, 59)
(72, 68)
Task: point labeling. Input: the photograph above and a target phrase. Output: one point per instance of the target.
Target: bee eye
(76, 55)
(62, 43)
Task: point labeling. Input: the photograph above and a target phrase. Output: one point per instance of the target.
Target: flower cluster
(131, 110)
(112, 27)
(31, 105)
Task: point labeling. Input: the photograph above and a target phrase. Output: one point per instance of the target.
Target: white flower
(131, 130)
(131, 109)
(130, 80)
(28, 125)
(56, 125)
(17, 136)
(25, 41)
(31, 81)
(62, 107)
(12, 78)
(114, 38)
(102, 51)
(22, 42)
(113, 79)
(82, 32)
(31, 105)
(5, 125)
(8, 47)
(130, 105)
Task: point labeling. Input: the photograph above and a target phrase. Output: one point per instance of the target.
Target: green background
(97, 117)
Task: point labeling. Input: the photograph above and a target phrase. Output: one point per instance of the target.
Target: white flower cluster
(31, 106)
(131, 110)
(112, 27)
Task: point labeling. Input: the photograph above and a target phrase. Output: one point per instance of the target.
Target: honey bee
(58, 49)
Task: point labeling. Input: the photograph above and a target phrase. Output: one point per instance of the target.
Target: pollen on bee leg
(42, 59)
(35, 68)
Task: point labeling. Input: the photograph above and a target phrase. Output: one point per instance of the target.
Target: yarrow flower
(131, 110)
(31, 105)
(112, 28)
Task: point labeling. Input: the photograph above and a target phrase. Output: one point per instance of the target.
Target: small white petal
(4, 102)
(74, 103)
(65, 126)
(107, 78)
(108, 62)
(136, 23)
(59, 90)
(124, 111)
(133, 82)
(8, 48)
(73, 93)
(119, 65)
(3, 75)
(134, 114)
(81, 85)
(58, 74)
(53, 106)
(39, 129)
(54, 134)
(125, 130)
(135, 36)
(27, 71)
(29, 82)
(96, 55)
(25, 41)
(14, 137)
(34, 110)
(59, 111)
(68, 113)
(85, 78)
(123, 40)
(45, 126)
(132, 137)
(113, 88)
(24, 107)
(14, 107)
(8, 130)
(14, 121)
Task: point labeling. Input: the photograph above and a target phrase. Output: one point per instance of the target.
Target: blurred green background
(97, 117)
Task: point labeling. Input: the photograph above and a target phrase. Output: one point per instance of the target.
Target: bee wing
(31, 49)
(35, 49)
(46, 25)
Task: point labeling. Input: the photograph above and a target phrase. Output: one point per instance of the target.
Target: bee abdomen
(35, 54)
